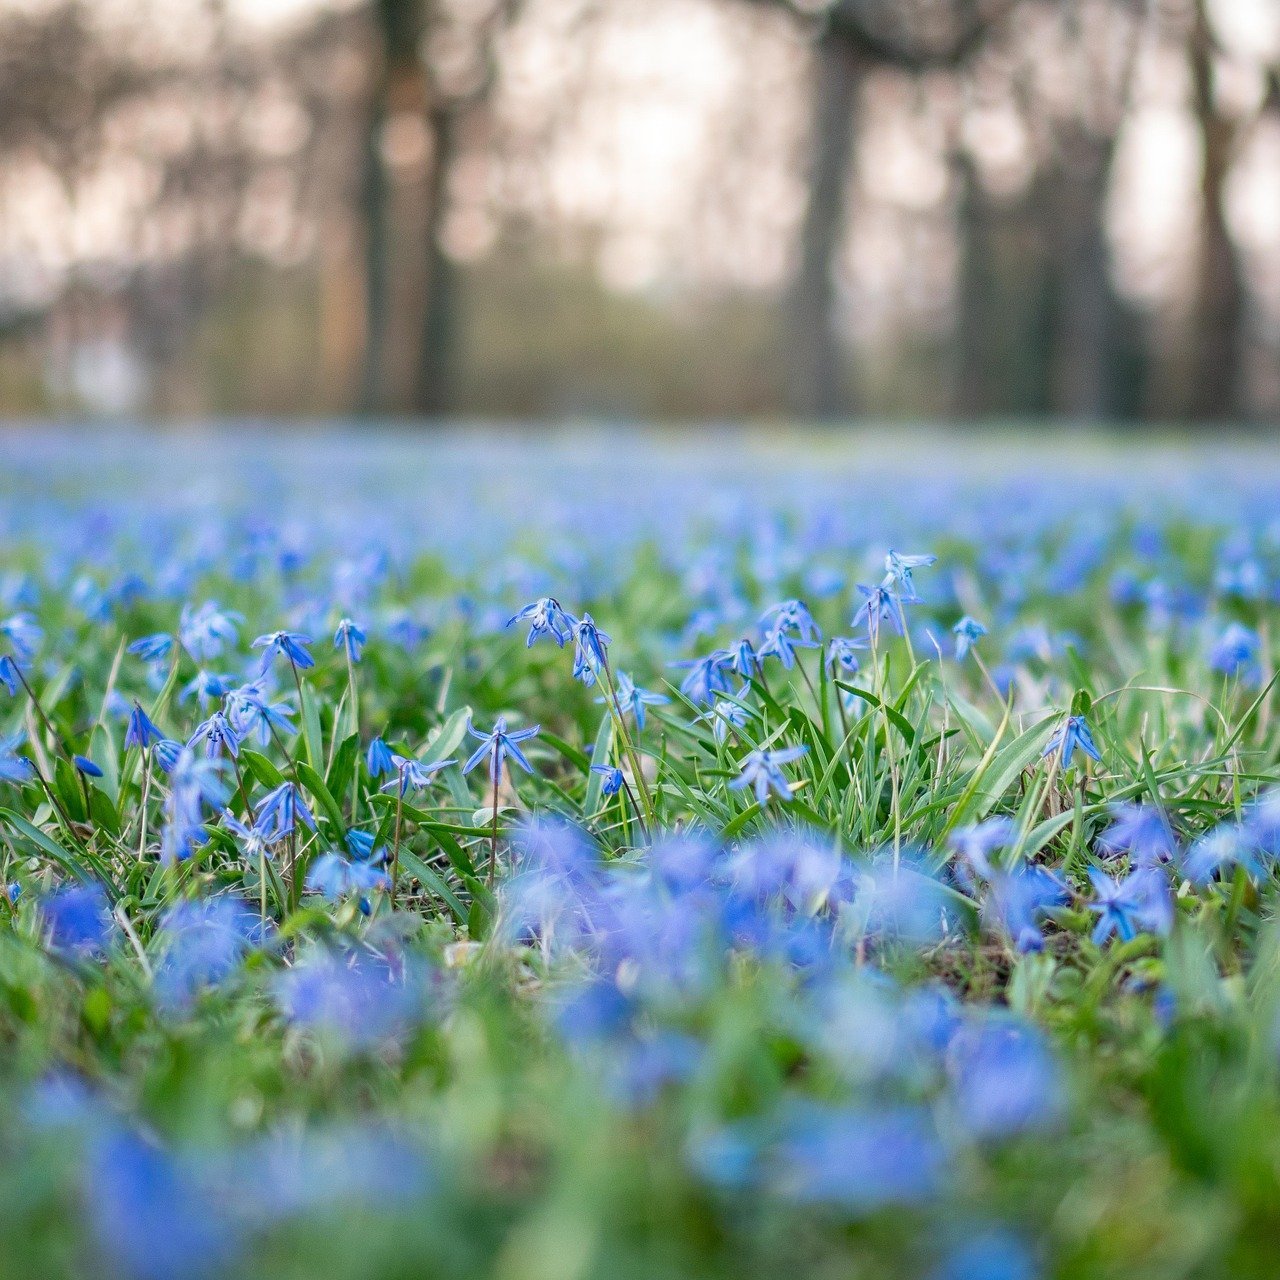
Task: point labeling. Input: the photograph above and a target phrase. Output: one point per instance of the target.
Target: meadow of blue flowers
(605, 856)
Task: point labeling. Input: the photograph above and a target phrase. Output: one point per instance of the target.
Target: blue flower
(613, 779)
(1005, 1079)
(1142, 831)
(379, 759)
(707, 677)
(497, 745)
(1228, 845)
(414, 773)
(206, 631)
(745, 662)
(1236, 652)
(280, 810)
(78, 919)
(285, 644)
(249, 712)
(153, 648)
(761, 770)
(9, 675)
(976, 843)
(1072, 733)
(968, 631)
(334, 877)
(794, 615)
(24, 634)
(879, 605)
(726, 715)
(1139, 904)
(546, 618)
(206, 686)
(842, 654)
(218, 735)
(590, 646)
(857, 1160)
(142, 731)
(202, 942)
(13, 767)
(634, 699)
(350, 637)
(86, 766)
(898, 570)
(780, 644)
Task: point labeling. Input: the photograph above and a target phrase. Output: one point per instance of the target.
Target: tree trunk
(817, 387)
(433, 393)
(374, 213)
(1085, 325)
(1217, 355)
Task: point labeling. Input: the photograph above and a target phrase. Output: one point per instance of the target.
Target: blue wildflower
(414, 773)
(24, 634)
(1139, 904)
(1142, 831)
(153, 648)
(206, 631)
(1072, 733)
(77, 919)
(86, 766)
(968, 631)
(782, 645)
(13, 767)
(613, 779)
(762, 771)
(497, 745)
(707, 677)
(218, 735)
(142, 730)
(351, 638)
(842, 655)
(280, 810)
(334, 877)
(794, 615)
(289, 645)
(9, 675)
(379, 759)
(898, 570)
(878, 606)
(1236, 652)
(590, 646)
(634, 699)
(546, 618)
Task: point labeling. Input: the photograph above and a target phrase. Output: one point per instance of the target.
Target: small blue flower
(153, 648)
(350, 637)
(334, 877)
(24, 634)
(218, 735)
(898, 570)
(13, 767)
(546, 618)
(414, 773)
(879, 605)
(1236, 652)
(1072, 733)
(745, 661)
(634, 699)
(497, 745)
(142, 731)
(379, 759)
(842, 654)
(761, 770)
(9, 675)
(976, 843)
(968, 631)
(707, 677)
(782, 645)
(1139, 904)
(78, 919)
(87, 767)
(280, 810)
(590, 646)
(206, 631)
(794, 615)
(207, 686)
(613, 779)
(1142, 831)
(288, 645)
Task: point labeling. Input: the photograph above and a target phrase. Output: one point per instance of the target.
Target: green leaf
(261, 768)
(599, 756)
